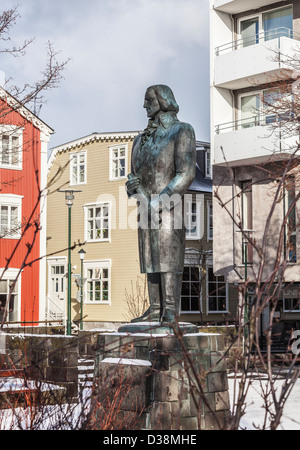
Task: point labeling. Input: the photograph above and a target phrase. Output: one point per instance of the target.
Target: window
(11, 143)
(290, 249)
(191, 290)
(9, 292)
(277, 23)
(250, 31)
(291, 305)
(247, 219)
(209, 221)
(192, 217)
(269, 25)
(97, 284)
(118, 162)
(265, 107)
(217, 293)
(78, 168)
(97, 222)
(10, 216)
(250, 110)
(291, 300)
(207, 163)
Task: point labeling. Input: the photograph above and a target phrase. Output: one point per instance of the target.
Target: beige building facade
(102, 219)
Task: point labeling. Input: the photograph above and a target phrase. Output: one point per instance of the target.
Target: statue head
(159, 98)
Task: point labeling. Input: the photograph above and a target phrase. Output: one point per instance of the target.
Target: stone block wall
(178, 382)
(46, 358)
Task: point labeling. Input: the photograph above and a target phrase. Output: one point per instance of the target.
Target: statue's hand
(132, 184)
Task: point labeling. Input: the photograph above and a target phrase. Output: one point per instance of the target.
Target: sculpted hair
(165, 97)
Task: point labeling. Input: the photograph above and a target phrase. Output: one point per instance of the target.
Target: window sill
(118, 179)
(11, 237)
(95, 241)
(217, 312)
(191, 312)
(192, 238)
(8, 167)
(78, 184)
(98, 303)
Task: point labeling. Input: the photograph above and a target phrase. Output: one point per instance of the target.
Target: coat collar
(164, 119)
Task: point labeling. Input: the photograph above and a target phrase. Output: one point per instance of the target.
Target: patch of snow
(124, 361)
(255, 412)
(18, 384)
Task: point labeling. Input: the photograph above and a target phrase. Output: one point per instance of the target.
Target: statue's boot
(171, 289)
(151, 315)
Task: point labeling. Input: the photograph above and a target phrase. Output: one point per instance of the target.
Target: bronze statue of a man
(162, 169)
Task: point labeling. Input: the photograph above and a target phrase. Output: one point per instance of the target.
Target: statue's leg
(171, 289)
(154, 312)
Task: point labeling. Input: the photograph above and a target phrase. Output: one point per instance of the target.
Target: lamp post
(69, 197)
(81, 256)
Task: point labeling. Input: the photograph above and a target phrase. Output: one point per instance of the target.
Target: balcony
(239, 6)
(255, 140)
(255, 60)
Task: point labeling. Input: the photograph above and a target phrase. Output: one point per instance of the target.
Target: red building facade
(23, 172)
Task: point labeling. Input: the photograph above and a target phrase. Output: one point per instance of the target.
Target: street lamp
(81, 256)
(69, 197)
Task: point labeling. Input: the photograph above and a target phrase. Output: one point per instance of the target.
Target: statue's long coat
(165, 164)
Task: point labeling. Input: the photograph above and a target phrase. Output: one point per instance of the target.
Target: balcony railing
(257, 38)
(255, 121)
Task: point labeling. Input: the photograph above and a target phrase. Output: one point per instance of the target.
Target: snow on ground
(255, 412)
(68, 416)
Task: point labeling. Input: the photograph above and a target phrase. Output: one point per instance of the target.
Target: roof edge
(25, 112)
(126, 135)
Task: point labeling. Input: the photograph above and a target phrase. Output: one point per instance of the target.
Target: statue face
(151, 104)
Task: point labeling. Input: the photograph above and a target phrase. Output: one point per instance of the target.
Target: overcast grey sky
(117, 48)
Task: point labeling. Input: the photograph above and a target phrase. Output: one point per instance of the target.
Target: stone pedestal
(160, 378)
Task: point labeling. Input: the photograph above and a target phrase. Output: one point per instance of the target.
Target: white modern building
(252, 45)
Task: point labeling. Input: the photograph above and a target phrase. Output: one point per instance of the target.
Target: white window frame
(188, 201)
(112, 177)
(11, 274)
(86, 207)
(210, 221)
(260, 20)
(209, 266)
(208, 166)
(12, 131)
(78, 154)
(12, 200)
(95, 265)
